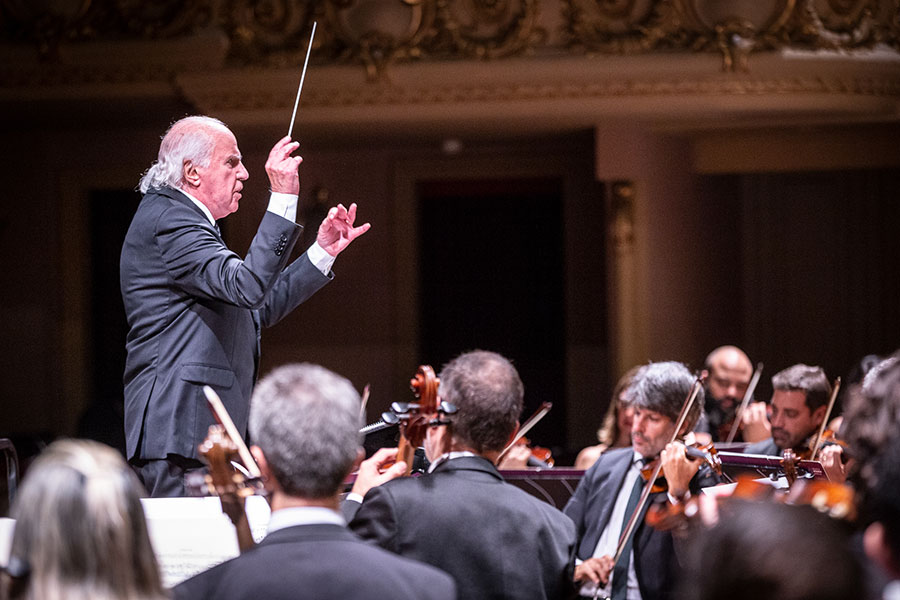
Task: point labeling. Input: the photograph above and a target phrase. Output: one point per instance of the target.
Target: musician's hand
(756, 423)
(596, 570)
(337, 230)
(281, 167)
(516, 457)
(678, 469)
(372, 473)
(830, 457)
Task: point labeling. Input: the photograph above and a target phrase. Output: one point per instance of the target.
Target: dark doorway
(110, 215)
(492, 278)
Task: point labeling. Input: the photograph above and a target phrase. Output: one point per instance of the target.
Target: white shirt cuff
(353, 497)
(319, 258)
(283, 205)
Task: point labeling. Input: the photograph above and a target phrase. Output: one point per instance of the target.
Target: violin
(221, 447)
(706, 453)
(539, 456)
(834, 499)
(414, 418)
(218, 450)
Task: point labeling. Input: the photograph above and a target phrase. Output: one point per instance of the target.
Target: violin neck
(406, 452)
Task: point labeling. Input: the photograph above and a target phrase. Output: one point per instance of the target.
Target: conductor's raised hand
(282, 168)
(337, 230)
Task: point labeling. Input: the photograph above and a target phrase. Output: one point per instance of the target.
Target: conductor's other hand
(337, 230)
(282, 168)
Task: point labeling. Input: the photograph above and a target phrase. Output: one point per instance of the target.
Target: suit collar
(179, 196)
(469, 463)
(311, 533)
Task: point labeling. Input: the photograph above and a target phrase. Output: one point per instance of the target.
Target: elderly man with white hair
(194, 307)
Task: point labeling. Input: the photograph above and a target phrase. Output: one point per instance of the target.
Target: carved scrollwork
(621, 26)
(759, 25)
(378, 32)
(163, 18)
(271, 31)
(489, 28)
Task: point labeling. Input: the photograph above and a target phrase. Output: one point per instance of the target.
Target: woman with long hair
(80, 531)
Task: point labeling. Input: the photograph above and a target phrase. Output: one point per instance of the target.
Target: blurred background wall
(580, 185)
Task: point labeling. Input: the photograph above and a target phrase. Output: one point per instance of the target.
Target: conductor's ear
(189, 173)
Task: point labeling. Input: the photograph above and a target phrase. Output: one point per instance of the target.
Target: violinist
(605, 498)
(799, 403)
(496, 540)
(728, 372)
(305, 420)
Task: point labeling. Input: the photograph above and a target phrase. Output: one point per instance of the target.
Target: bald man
(728, 372)
(194, 307)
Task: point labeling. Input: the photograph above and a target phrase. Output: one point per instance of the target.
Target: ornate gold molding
(377, 34)
(257, 99)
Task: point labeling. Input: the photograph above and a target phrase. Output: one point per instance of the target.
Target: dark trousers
(164, 477)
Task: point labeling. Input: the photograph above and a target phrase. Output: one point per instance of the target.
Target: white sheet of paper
(7, 526)
(190, 535)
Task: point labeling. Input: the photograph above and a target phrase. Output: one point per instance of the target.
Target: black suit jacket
(195, 309)
(319, 562)
(590, 508)
(494, 539)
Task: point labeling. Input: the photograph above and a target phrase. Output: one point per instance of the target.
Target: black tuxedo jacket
(319, 562)
(195, 309)
(590, 508)
(494, 539)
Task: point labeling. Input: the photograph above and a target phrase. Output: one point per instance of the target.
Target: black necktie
(620, 571)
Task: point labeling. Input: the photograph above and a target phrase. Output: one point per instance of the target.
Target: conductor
(194, 307)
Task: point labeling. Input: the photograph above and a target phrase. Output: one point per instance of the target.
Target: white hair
(190, 138)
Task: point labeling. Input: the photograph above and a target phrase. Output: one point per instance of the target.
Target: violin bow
(744, 402)
(818, 442)
(225, 421)
(530, 422)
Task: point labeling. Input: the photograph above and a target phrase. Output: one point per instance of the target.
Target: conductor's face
(222, 181)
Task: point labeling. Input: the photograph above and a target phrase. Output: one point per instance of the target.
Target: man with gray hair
(194, 307)
(799, 401)
(607, 495)
(305, 421)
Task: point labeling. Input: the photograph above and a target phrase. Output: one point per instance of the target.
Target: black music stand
(554, 485)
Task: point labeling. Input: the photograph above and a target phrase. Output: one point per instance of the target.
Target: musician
(494, 539)
(305, 421)
(615, 432)
(799, 402)
(80, 530)
(728, 373)
(605, 498)
(194, 308)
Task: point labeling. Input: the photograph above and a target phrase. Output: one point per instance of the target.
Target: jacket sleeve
(203, 266)
(376, 519)
(292, 287)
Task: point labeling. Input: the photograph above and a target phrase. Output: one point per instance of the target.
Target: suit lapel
(604, 497)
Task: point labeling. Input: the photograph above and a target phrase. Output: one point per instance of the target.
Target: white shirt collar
(200, 205)
(303, 515)
(448, 456)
